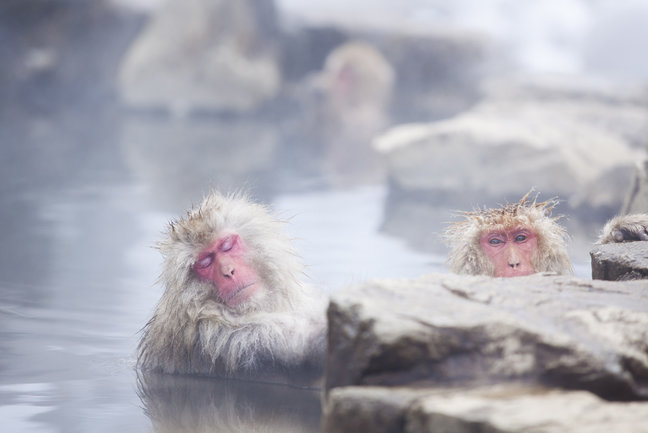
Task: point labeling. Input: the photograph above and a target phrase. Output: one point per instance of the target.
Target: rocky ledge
(620, 262)
(449, 353)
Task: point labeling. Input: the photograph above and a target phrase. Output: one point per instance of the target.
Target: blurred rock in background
(577, 140)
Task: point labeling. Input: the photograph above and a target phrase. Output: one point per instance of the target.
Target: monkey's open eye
(205, 262)
(520, 238)
(495, 241)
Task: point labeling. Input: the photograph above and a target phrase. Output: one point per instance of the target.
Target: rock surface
(443, 329)
(452, 353)
(209, 55)
(509, 409)
(368, 408)
(620, 262)
(543, 412)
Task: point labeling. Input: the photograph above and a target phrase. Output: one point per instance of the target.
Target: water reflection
(86, 189)
(183, 404)
(176, 157)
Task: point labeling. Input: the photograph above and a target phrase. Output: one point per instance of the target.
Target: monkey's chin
(241, 295)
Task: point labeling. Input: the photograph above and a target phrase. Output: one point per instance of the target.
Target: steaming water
(82, 203)
(83, 198)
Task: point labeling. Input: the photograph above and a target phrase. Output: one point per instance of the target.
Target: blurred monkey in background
(350, 105)
(357, 83)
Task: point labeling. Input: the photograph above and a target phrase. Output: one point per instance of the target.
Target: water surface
(83, 199)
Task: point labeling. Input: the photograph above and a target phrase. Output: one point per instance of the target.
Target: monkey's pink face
(224, 264)
(511, 252)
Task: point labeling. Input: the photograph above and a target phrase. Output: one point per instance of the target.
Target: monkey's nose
(228, 271)
(513, 258)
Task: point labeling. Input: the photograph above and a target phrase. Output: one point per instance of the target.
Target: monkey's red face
(224, 264)
(511, 252)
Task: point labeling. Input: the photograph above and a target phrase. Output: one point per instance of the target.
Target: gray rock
(197, 55)
(368, 409)
(499, 408)
(550, 411)
(473, 331)
(620, 262)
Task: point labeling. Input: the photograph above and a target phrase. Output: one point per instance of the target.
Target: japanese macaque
(513, 240)
(358, 82)
(232, 304)
(350, 97)
(625, 228)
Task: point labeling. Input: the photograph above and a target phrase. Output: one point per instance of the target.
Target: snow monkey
(358, 77)
(523, 238)
(625, 228)
(232, 304)
(352, 94)
(516, 239)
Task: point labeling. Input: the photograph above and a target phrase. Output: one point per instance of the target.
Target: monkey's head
(357, 74)
(516, 239)
(232, 252)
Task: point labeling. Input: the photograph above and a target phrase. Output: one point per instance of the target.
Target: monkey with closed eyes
(233, 303)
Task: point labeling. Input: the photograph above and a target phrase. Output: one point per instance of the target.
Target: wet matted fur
(192, 331)
(463, 237)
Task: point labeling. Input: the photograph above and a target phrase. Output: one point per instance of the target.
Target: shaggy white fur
(463, 237)
(191, 331)
(625, 228)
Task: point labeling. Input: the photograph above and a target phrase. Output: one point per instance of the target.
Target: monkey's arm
(625, 228)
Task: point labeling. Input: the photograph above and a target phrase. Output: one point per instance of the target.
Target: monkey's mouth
(236, 292)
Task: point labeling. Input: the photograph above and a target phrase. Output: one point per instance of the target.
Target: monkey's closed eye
(205, 261)
(228, 243)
